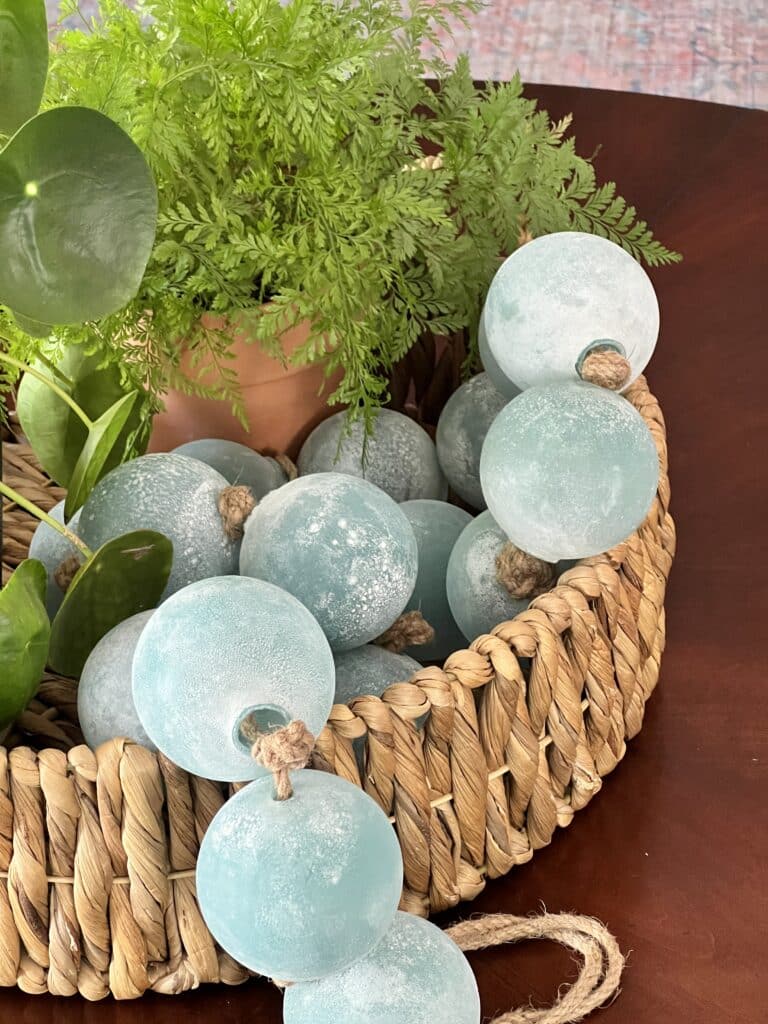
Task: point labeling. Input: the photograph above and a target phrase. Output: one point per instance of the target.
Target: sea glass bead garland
(297, 889)
(399, 456)
(437, 526)
(105, 705)
(175, 495)
(559, 295)
(461, 430)
(367, 671)
(341, 546)
(416, 975)
(52, 548)
(220, 652)
(569, 470)
(477, 599)
(237, 463)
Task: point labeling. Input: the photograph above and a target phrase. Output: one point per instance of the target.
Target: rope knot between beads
(410, 630)
(66, 571)
(284, 751)
(523, 575)
(605, 367)
(235, 505)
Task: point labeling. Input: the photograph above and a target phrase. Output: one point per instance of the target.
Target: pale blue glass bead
(218, 651)
(500, 381)
(556, 296)
(400, 456)
(416, 975)
(238, 464)
(477, 599)
(299, 888)
(569, 470)
(367, 671)
(176, 496)
(105, 705)
(461, 430)
(51, 548)
(341, 546)
(437, 526)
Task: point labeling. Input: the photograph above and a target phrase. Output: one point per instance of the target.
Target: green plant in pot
(77, 221)
(299, 222)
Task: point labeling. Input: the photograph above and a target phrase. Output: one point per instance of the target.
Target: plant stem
(54, 387)
(30, 507)
(55, 370)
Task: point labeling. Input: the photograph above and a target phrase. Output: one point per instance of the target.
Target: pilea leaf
(24, 634)
(126, 575)
(78, 209)
(54, 431)
(23, 61)
(102, 439)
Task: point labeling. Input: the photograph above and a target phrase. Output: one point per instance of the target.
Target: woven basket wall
(97, 850)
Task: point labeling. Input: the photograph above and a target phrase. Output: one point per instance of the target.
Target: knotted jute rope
(281, 752)
(410, 630)
(66, 571)
(598, 980)
(605, 367)
(235, 505)
(522, 574)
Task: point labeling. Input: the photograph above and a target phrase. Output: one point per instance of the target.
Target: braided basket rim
(97, 850)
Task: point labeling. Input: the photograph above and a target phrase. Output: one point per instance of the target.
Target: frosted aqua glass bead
(299, 888)
(400, 456)
(556, 296)
(367, 672)
(105, 705)
(501, 382)
(568, 470)
(476, 598)
(341, 546)
(218, 651)
(416, 975)
(237, 463)
(176, 496)
(437, 526)
(461, 430)
(51, 548)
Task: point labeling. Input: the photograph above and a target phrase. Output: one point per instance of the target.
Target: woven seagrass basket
(97, 850)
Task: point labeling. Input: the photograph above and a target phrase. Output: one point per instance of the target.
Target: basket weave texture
(97, 850)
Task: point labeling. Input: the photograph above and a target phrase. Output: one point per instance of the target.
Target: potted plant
(302, 235)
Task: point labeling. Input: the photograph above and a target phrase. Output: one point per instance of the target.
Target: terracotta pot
(283, 404)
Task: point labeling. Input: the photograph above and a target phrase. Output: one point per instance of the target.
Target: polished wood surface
(672, 853)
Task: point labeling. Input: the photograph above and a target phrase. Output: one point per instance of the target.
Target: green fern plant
(285, 143)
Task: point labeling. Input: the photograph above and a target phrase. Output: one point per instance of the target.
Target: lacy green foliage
(283, 141)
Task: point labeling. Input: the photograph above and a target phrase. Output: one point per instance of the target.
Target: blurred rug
(714, 50)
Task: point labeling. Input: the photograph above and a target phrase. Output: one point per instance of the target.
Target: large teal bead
(416, 975)
(51, 548)
(238, 464)
(105, 705)
(400, 456)
(300, 888)
(341, 546)
(367, 671)
(556, 296)
(217, 652)
(501, 382)
(437, 526)
(569, 470)
(476, 598)
(176, 496)
(461, 430)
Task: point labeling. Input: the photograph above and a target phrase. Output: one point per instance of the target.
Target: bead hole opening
(260, 720)
(600, 343)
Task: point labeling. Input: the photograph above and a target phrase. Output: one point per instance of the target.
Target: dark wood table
(673, 852)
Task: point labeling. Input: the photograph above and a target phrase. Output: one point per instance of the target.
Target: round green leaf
(78, 210)
(126, 575)
(102, 439)
(24, 634)
(23, 61)
(54, 431)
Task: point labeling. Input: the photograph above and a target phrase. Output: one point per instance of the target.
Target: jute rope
(523, 575)
(518, 732)
(410, 630)
(235, 505)
(605, 367)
